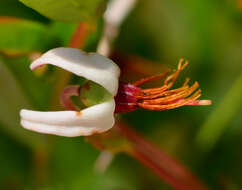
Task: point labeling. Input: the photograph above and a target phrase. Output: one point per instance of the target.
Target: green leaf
(68, 10)
(13, 99)
(63, 31)
(80, 173)
(20, 36)
(37, 90)
(14, 164)
(14, 8)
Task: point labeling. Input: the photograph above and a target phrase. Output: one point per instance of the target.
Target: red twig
(161, 163)
(79, 36)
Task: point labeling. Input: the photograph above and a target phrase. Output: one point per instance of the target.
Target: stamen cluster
(131, 96)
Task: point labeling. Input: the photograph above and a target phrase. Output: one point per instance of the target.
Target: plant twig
(167, 168)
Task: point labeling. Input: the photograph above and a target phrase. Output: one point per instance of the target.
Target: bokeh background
(155, 35)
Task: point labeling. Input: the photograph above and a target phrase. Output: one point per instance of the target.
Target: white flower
(95, 119)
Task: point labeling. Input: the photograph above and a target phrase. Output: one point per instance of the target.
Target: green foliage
(63, 31)
(73, 160)
(13, 98)
(23, 36)
(14, 8)
(215, 126)
(13, 164)
(68, 10)
(206, 139)
(19, 67)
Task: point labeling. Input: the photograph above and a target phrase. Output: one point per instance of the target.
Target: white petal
(92, 66)
(95, 119)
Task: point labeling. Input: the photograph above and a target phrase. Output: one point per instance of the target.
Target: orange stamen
(148, 79)
(151, 91)
(162, 98)
(173, 105)
(172, 78)
(164, 93)
(175, 96)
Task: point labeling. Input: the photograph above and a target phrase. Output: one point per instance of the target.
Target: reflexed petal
(95, 119)
(92, 66)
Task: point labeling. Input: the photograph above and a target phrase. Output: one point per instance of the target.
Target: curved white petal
(92, 66)
(95, 119)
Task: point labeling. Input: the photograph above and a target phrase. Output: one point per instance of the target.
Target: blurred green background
(207, 140)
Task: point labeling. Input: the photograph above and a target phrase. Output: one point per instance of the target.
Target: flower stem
(80, 35)
(167, 168)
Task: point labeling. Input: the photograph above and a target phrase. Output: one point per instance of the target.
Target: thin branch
(166, 167)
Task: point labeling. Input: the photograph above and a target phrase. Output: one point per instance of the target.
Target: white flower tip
(23, 113)
(92, 120)
(32, 66)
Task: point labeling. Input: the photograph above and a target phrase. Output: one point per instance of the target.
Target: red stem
(158, 171)
(161, 163)
(79, 36)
